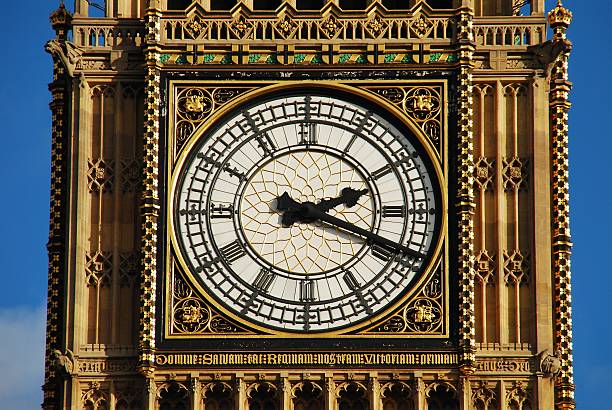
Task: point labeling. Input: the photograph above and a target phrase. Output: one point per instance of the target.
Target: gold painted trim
(350, 87)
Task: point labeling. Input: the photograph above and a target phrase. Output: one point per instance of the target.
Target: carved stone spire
(60, 21)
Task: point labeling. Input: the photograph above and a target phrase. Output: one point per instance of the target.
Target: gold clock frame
(175, 269)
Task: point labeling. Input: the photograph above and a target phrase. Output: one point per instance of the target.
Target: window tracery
(396, 395)
(262, 396)
(352, 396)
(173, 396)
(307, 395)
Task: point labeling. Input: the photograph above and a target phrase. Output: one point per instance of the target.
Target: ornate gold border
(354, 87)
(465, 191)
(559, 19)
(149, 209)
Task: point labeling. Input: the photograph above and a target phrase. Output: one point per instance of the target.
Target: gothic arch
(352, 396)
(94, 399)
(262, 396)
(217, 396)
(396, 395)
(173, 396)
(307, 395)
(441, 395)
(518, 397)
(484, 398)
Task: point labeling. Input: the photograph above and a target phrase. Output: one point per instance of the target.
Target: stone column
(329, 392)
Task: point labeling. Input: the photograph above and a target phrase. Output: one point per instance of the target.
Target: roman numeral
(382, 253)
(232, 251)
(227, 168)
(266, 143)
(381, 172)
(206, 264)
(264, 280)
(234, 172)
(308, 130)
(361, 123)
(351, 280)
(192, 212)
(354, 285)
(392, 211)
(308, 133)
(221, 211)
(307, 291)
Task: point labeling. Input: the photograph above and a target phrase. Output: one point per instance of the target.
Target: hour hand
(348, 196)
(292, 210)
(286, 203)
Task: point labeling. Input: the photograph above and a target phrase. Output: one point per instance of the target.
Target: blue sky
(24, 176)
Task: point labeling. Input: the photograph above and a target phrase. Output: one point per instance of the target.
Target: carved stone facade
(489, 325)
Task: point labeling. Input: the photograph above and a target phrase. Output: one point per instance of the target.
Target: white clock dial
(306, 213)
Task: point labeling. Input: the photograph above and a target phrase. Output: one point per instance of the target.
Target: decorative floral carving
(195, 26)
(421, 104)
(514, 174)
(129, 264)
(286, 26)
(484, 173)
(100, 175)
(195, 104)
(98, 268)
(131, 175)
(191, 315)
(422, 314)
(485, 267)
(330, 26)
(421, 26)
(241, 27)
(516, 267)
(376, 26)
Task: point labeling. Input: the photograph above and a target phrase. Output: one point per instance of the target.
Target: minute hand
(312, 211)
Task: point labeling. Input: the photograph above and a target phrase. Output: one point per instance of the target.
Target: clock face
(306, 212)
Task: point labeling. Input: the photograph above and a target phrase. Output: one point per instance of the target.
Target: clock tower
(309, 204)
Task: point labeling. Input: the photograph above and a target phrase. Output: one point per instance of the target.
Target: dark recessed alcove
(405, 4)
(222, 4)
(266, 4)
(353, 4)
(178, 4)
(309, 4)
(440, 4)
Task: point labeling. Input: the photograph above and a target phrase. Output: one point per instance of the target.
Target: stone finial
(60, 21)
(559, 16)
(60, 17)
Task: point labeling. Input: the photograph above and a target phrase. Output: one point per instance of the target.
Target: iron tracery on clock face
(306, 212)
